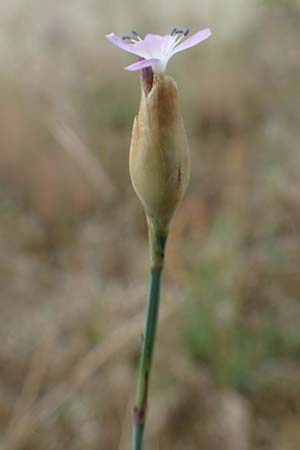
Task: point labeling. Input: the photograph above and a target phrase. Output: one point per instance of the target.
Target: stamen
(186, 32)
(171, 43)
(135, 33)
(173, 31)
(179, 32)
(126, 37)
(178, 39)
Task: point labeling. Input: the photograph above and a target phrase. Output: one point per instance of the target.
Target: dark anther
(179, 31)
(126, 37)
(186, 32)
(135, 33)
(173, 31)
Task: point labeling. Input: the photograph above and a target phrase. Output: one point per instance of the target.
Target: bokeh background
(73, 245)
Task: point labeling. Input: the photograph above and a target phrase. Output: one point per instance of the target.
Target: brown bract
(159, 155)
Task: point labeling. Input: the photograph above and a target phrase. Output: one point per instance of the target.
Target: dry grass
(73, 262)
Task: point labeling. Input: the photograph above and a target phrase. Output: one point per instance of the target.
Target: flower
(155, 50)
(159, 159)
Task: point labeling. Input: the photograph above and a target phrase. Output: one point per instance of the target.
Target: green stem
(157, 241)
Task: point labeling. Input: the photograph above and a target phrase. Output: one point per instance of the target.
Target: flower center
(174, 32)
(157, 47)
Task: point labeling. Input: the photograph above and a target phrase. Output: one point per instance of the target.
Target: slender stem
(157, 241)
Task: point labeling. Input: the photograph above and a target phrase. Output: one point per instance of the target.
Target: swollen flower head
(155, 50)
(159, 161)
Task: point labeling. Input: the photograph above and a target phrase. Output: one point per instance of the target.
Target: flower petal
(119, 42)
(193, 40)
(156, 45)
(142, 64)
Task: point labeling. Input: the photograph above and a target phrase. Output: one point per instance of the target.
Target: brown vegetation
(73, 259)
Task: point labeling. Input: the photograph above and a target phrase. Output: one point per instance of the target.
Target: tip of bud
(147, 77)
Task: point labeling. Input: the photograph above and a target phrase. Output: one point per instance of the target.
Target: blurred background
(74, 255)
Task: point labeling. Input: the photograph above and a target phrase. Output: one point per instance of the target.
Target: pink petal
(153, 46)
(116, 40)
(156, 44)
(142, 64)
(193, 40)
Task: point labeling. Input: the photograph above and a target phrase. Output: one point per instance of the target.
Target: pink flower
(155, 50)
